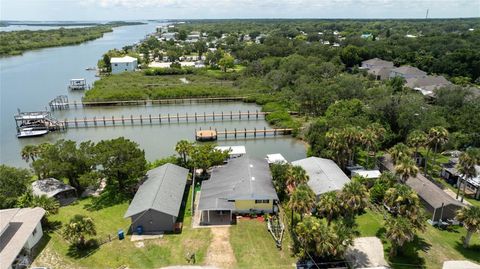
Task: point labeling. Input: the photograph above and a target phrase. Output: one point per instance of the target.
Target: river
(29, 81)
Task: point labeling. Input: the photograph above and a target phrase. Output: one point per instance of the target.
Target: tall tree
(227, 61)
(466, 169)
(437, 136)
(13, 183)
(296, 176)
(403, 201)
(399, 230)
(122, 163)
(354, 197)
(301, 201)
(183, 148)
(470, 217)
(29, 153)
(329, 206)
(416, 139)
(406, 168)
(78, 228)
(399, 151)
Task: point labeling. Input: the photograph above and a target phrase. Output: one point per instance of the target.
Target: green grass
(254, 246)
(429, 250)
(171, 249)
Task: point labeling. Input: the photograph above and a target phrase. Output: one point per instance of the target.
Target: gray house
(324, 174)
(51, 187)
(406, 72)
(157, 203)
(379, 68)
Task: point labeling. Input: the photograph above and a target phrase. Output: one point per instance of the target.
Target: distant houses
(123, 64)
(20, 231)
(51, 187)
(324, 175)
(156, 205)
(415, 78)
(242, 186)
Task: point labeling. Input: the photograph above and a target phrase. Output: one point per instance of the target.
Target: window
(34, 231)
(115, 64)
(262, 201)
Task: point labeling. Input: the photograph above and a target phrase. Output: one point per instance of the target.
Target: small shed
(276, 158)
(156, 205)
(51, 187)
(369, 174)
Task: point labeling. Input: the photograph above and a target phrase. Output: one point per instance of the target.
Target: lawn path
(220, 252)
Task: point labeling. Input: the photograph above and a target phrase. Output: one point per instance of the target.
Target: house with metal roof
(324, 175)
(157, 203)
(123, 64)
(243, 185)
(54, 188)
(406, 72)
(20, 231)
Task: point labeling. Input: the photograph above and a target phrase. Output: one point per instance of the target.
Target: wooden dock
(59, 103)
(212, 135)
(160, 119)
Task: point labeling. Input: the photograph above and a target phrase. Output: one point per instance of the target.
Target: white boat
(30, 132)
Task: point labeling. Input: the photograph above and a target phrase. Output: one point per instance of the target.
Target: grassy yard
(429, 250)
(171, 249)
(254, 247)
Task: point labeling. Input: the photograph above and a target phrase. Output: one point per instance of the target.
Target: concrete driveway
(366, 252)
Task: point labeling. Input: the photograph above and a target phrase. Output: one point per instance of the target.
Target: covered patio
(216, 217)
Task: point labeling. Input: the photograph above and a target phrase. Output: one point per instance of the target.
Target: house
(20, 231)
(123, 64)
(427, 84)
(369, 174)
(378, 68)
(276, 158)
(233, 151)
(437, 202)
(156, 205)
(406, 72)
(51, 187)
(324, 175)
(243, 185)
(366, 35)
(169, 36)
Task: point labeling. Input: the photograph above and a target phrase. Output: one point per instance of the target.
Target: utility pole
(426, 16)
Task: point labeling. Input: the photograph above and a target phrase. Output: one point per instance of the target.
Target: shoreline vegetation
(16, 42)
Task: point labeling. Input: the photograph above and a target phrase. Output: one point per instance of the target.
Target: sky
(86, 10)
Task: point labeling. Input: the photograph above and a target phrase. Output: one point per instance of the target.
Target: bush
(168, 71)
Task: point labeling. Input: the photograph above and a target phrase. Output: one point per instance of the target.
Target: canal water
(28, 82)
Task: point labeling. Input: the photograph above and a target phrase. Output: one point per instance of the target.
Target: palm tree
(399, 151)
(79, 227)
(470, 216)
(466, 169)
(329, 206)
(354, 196)
(301, 201)
(352, 137)
(369, 140)
(417, 139)
(50, 204)
(296, 176)
(403, 201)
(183, 148)
(29, 153)
(372, 137)
(338, 145)
(406, 168)
(437, 136)
(399, 230)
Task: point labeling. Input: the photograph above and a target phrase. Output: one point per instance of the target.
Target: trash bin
(139, 229)
(121, 234)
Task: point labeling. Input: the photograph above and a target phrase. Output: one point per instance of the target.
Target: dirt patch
(51, 259)
(220, 252)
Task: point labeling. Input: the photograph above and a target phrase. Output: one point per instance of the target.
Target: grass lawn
(254, 246)
(429, 250)
(171, 249)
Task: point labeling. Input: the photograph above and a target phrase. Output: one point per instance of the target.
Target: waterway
(29, 81)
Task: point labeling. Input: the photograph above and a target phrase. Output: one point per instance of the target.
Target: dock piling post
(195, 116)
(178, 118)
(245, 132)
(168, 117)
(255, 132)
(231, 115)
(239, 115)
(222, 115)
(141, 119)
(213, 115)
(95, 121)
(113, 120)
(160, 118)
(264, 131)
(104, 123)
(85, 121)
(186, 116)
(248, 114)
(131, 119)
(123, 120)
(257, 114)
(235, 133)
(225, 133)
(150, 118)
(204, 117)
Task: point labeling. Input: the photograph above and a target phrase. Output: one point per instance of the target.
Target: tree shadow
(75, 252)
(50, 226)
(41, 245)
(471, 253)
(107, 199)
(408, 254)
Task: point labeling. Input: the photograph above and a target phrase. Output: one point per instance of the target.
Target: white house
(20, 231)
(123, 64)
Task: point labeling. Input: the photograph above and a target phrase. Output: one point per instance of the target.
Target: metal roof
(125, 59)
(162, 191)
(367, 173)
(276, 158)
(233, 150)
(324, 174)
(50, 187)
(243, 178)
(21, 224)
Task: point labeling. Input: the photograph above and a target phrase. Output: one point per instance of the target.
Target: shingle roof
(407, 69)
(243, 178)
(50, 187)
(378, 62)
(325, 175)
(162, 191)
(437, 81)
(20, 226)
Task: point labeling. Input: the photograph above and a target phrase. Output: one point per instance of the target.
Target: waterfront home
(123, 64)
(406, 72)
(427, 84)
(436, 201)
(20, 231)
(156, 205)
(243, 185)
(324, 175)
(54, 188)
